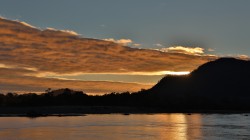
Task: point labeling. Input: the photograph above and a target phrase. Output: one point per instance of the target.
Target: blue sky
(220, 25)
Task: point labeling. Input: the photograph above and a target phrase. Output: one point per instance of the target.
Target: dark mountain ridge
(219, 84)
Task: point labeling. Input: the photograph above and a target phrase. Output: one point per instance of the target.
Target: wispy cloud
(210, 50)
(158, 45)
(65, 31)
(184, 50)
(137, 44)
(120, 41)
(26, 24)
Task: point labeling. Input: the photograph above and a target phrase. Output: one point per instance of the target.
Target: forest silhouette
(222, 84)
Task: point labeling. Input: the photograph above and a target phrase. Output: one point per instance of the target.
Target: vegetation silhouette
(222, 84)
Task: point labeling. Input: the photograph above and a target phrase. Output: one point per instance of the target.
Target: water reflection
(180, 126)
(112, 127)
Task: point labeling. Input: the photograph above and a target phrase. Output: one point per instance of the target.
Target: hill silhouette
(219, 84)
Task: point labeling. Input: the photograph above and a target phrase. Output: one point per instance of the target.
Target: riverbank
(72, 110)
(83, 110)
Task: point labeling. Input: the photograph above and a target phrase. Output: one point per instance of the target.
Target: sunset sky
(104, 46)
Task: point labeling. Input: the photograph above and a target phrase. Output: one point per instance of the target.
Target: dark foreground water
(127, 127)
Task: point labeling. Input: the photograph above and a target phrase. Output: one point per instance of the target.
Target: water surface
(127, 127)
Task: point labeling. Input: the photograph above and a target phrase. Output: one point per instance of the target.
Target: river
(128, 127)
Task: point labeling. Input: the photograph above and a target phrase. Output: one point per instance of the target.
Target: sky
(163, 37)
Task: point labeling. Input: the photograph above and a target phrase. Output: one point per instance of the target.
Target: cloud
(64, 31)
(136, 44)
(26, 24)
(32, 52)
(59, 52)
(239, 56)
(243, 56)
(184, 50)
(17, 80)
(125, 42)
(211, 50)
(120, 41)
(158, 45)
(17, 21)
(5, 66)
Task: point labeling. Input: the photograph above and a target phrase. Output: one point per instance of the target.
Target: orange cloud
(61, 52)
(17, 81)
(31, 51)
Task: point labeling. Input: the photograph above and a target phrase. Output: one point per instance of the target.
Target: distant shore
(83, 110)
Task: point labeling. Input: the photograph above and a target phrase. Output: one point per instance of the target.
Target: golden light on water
(112, 127)
(181, 126)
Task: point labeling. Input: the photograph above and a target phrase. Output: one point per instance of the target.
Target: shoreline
(62, 111)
